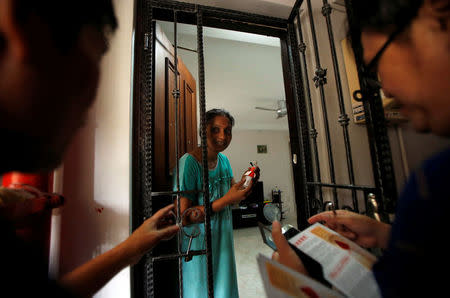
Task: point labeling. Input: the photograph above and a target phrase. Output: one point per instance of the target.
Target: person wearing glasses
(408, 44)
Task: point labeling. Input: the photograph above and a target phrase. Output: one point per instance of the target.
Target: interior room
(313, 151)
(244, 74)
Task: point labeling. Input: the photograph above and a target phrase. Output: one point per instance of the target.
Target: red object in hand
(35, 229)
(42, 181)
(249, 175)
(251, 172)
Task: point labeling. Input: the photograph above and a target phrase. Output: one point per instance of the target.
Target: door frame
(142, 126)
(148, 11)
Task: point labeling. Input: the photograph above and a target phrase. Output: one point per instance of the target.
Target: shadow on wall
(420, 146)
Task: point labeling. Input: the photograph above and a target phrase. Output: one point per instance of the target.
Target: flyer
(282, 282)
(346, 265)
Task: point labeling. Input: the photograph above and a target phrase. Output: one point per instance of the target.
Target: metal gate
(379, 199)
(309, 183)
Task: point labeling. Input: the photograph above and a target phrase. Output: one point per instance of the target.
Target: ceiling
(223, 34)
(273, 8)
(242, 71)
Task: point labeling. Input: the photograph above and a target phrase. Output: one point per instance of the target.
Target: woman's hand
(361, 229)
(193, 215)
(285, 254)
(158, 227)
(237, 193)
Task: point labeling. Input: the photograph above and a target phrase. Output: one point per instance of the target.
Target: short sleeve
(228, 165)
(189, 177)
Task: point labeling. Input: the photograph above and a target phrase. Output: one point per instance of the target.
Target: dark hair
(67, 18)
(213, 113)
(384, 15)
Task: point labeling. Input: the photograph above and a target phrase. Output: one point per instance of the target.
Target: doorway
(244, 76)
(147, 199)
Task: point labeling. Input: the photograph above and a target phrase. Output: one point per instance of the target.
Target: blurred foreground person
(49, 71)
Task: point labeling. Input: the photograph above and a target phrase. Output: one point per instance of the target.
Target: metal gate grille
(381, 197)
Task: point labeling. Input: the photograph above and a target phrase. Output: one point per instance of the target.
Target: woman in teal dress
(223, 193)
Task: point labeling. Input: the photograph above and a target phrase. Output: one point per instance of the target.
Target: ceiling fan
(281, 111)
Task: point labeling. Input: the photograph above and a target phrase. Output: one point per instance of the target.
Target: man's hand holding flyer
(345, 265)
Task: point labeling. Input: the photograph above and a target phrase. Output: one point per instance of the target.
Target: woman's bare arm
(234, 195)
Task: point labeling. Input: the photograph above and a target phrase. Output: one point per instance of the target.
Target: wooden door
(164, 158)
(189, 113)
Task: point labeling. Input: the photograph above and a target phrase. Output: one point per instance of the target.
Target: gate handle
(373, 202)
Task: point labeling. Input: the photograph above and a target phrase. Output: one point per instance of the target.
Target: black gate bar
(320, 79)
(174, 193)
(343, 186)
(312, 126)
(176, 97)
(380, 150)
(144, 186)
(295, 11)
(304, 201)
(207, 205)
(343, 117)
(179, 256)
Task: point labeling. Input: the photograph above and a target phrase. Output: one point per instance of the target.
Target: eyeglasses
(373, 64)
(372, 67)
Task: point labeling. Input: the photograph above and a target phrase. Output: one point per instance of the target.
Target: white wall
(276, 169)
(97, 165)
(238, 76)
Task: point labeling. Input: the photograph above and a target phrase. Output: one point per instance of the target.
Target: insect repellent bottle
(249, 175)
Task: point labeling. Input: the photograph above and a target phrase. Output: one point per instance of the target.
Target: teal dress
(224, 266)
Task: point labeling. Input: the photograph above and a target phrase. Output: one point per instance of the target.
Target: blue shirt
(415, 263)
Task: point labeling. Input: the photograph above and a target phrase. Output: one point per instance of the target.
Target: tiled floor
(247, 245)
